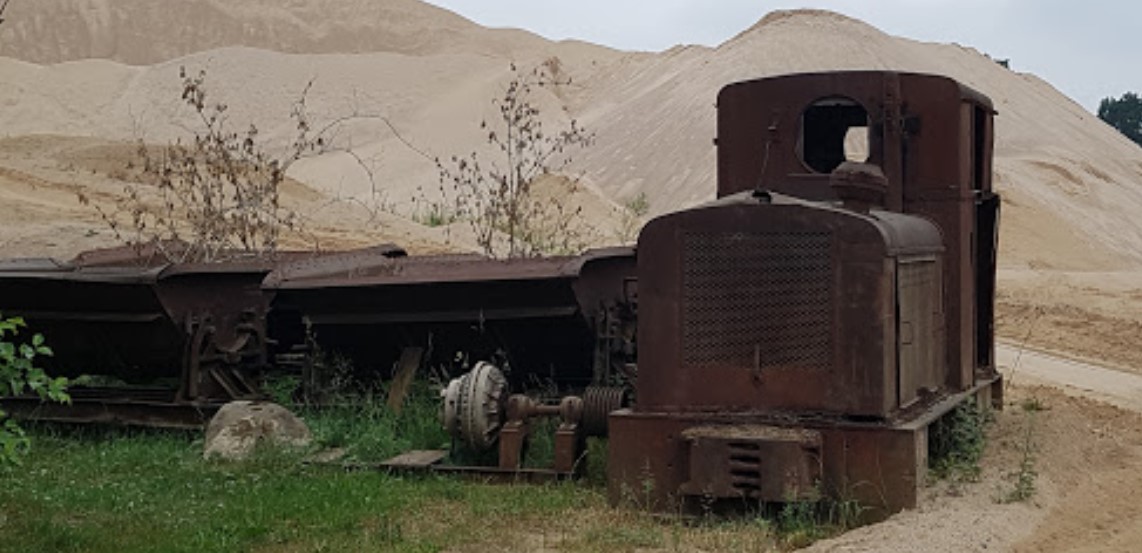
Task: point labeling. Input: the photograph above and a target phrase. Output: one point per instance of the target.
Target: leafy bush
(18, 374)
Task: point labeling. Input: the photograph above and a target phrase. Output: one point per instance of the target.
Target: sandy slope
(142, 32)
(1071, 242)
(655, 119)
(1070, 182)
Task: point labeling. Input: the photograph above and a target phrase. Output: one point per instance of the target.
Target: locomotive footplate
(678, 461)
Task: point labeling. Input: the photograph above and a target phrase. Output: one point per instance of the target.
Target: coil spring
(598, 403)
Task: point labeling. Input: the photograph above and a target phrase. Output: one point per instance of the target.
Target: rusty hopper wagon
(176, 340)
(799, 335)
(169, 343)
(562, 320)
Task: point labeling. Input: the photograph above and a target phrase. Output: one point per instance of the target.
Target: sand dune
(143, 32)
(1057, 161)
(1062, 172)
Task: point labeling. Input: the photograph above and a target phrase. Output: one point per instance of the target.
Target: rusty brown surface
(653, 463)
(850, 300)
(138, 320)
(755, 303)
(539, 316)
(754, 462)
(933, 139)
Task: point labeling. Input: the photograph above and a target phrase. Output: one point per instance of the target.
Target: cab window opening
(833, 130)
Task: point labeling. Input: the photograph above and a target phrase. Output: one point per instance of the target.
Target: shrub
(19, 374)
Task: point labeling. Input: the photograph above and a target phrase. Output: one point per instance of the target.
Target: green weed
(956, 443)
(1024, 476)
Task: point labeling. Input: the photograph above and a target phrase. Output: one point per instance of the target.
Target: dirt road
(1026, 367)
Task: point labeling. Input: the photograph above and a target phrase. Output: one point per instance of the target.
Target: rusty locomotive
(796, 336)
(801, 333)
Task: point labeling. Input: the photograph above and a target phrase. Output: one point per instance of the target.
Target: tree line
(1124, 114)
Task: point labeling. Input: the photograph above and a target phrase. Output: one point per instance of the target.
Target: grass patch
(122, 490)
(371, 432)
(128, 491)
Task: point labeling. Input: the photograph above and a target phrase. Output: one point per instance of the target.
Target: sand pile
(143, 32)
(1070, 183)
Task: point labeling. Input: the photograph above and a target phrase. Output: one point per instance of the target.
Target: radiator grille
(757, 300)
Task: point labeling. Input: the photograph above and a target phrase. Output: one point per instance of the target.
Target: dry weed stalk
(215, 197)
(497, 197)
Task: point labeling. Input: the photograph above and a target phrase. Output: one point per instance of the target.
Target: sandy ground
(1087, 463)
(42, 177)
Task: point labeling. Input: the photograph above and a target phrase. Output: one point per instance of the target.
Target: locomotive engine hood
(764, 302)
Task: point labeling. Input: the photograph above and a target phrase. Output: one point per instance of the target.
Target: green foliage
(1124, 114)
(639, 205)
(800, 523)
(632, 217)
(797, 523)
(956, 443)
(19, 374)
(282, 389)
(626, 537)
(434, 214)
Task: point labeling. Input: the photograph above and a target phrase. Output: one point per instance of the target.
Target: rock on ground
(240, 427)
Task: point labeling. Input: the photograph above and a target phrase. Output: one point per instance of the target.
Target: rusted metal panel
(753, 462)
(920, 328)
(116, 408)
(136, 319)
(881, 465)
(543, 314)
(932, 136)
(771, 303)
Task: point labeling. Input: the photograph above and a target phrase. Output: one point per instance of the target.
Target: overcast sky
(1087, 49)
